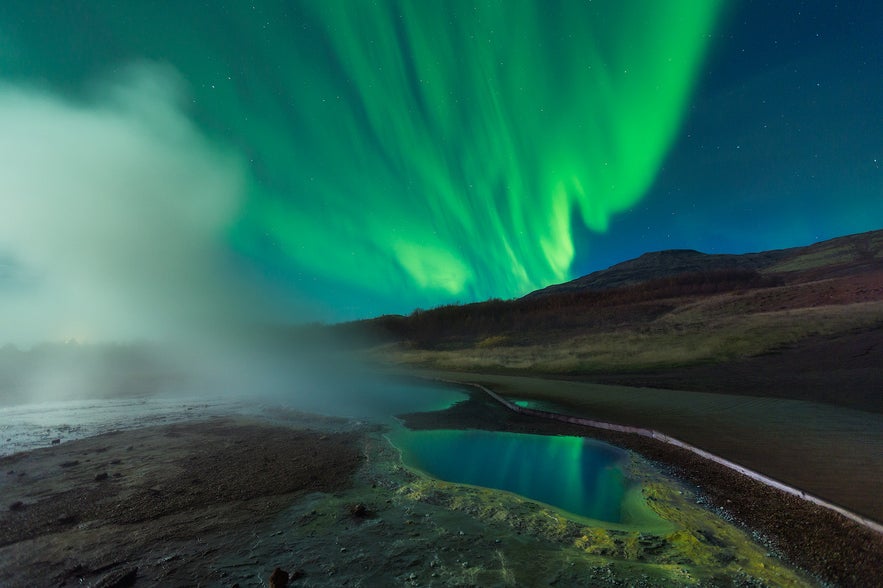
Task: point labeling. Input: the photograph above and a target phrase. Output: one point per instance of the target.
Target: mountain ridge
(845, 250)
(803, 323)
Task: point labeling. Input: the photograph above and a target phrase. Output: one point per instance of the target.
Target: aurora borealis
(358, 157)
(450, 144)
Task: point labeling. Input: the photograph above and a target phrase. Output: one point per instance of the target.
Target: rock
(279, 579)
(69, 464)
(119, 579)
(360, 511)
(17, 505)
(67, 519)
(101, 476)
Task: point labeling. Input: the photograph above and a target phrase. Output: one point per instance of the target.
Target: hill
(841, 256)
(664, 264)
(805, 322)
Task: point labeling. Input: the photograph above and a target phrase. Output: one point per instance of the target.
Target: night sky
(339, 159)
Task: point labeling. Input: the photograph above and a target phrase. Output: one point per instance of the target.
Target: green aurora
(449, 153)
(422, 152)
(446, 149)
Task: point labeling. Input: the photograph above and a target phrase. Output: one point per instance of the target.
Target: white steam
(112, 214)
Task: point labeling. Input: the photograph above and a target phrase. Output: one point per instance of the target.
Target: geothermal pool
(580, 476)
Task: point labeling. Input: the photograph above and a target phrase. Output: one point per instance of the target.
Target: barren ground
(224, 501)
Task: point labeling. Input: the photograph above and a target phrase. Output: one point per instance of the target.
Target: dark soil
(129, 495)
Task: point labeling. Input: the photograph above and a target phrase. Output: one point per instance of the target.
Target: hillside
(840, 256)
(805, 322)
(664, 264)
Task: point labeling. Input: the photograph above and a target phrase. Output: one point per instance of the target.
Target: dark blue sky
(783, 143)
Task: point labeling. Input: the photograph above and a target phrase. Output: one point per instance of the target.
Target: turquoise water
(576, 475)
(537, 405)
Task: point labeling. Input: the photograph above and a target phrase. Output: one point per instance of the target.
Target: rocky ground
(158, 503)
(225, 501)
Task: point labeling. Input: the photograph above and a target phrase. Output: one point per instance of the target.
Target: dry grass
(692, 320)
(690, 335)
(825, 257)
(838, 252)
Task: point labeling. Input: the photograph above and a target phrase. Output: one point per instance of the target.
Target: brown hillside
(797, 323)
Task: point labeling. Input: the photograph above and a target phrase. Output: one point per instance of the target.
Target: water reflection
(580, 476)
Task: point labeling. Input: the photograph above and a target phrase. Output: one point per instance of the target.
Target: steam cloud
(112, 229)
(112, 214)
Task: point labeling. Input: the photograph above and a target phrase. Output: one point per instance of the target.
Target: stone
(279, 579)
(119, 579)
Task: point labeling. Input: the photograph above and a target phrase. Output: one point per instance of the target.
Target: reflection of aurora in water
(416, 152)
(577, 475)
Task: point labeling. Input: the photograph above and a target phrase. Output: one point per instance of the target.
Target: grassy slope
(682, 337)
(645, 335)
(818, 311)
